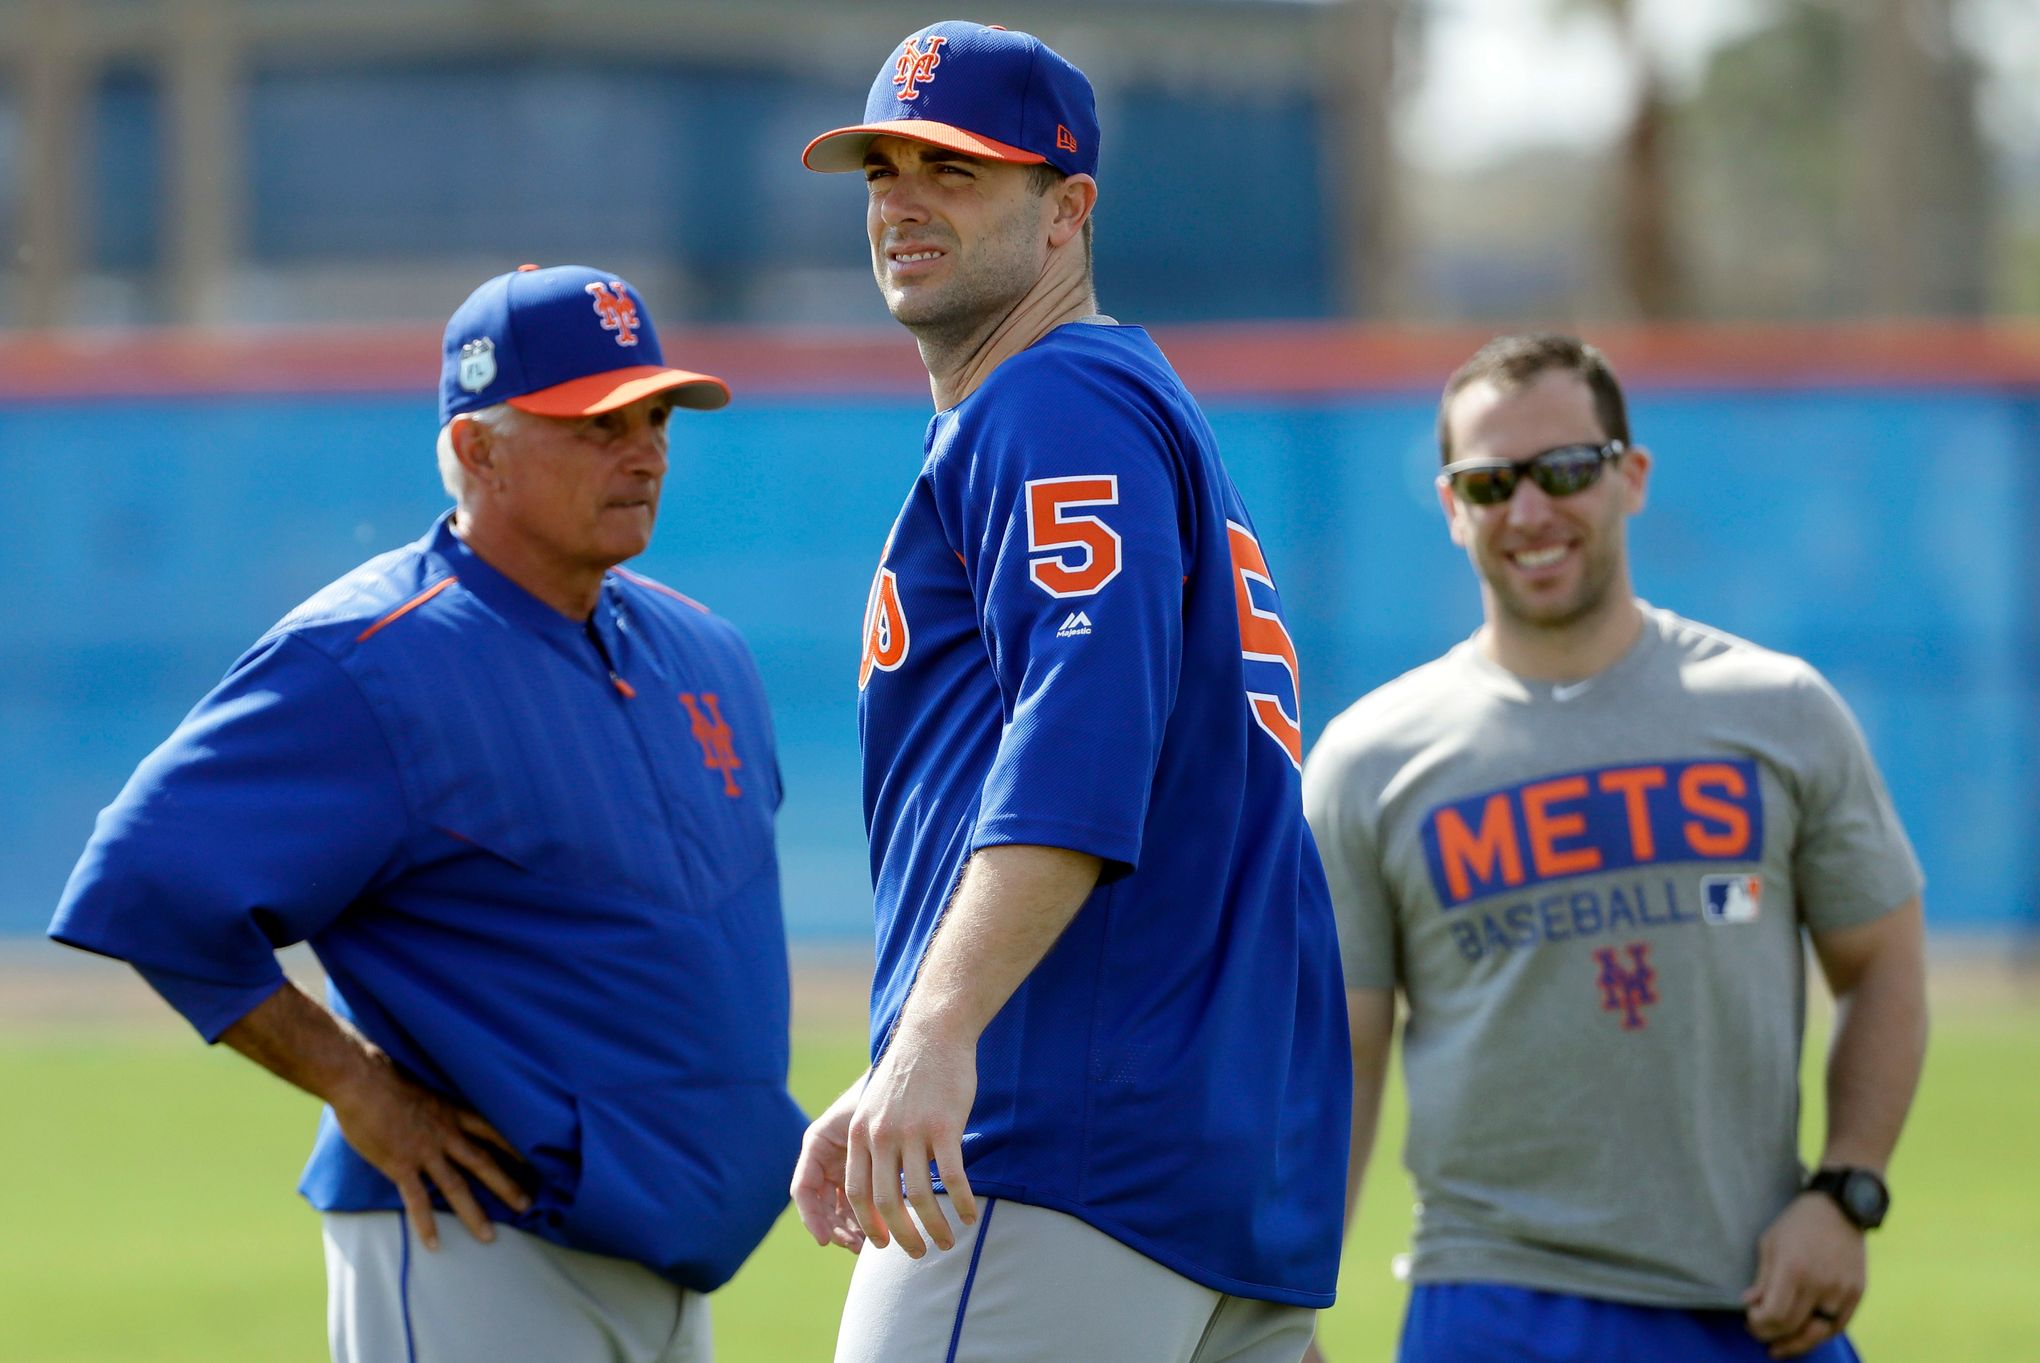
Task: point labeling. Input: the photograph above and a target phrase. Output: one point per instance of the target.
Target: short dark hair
(1041, 178)
(1510, 362)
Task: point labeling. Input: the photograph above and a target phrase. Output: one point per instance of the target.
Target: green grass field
(148, 1216)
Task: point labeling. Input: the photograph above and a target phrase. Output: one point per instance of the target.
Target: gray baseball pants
(519, 1299)
(1029, 1285)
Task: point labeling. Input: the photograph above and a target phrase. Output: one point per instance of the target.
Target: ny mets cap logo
(916, 67)
(616, 309)
(1010, 99)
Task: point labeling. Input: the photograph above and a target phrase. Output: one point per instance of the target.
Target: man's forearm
(1370, 1018)
(1011, 906)
(296, 1038)
(1879, 1045)
(421, 1142)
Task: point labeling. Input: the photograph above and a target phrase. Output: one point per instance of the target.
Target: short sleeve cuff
(210, 1006)
(1120, 847)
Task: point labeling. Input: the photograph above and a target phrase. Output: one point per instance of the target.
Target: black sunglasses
(1558, 472)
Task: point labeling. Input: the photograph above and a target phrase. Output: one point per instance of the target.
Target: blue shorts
(1455, 1322)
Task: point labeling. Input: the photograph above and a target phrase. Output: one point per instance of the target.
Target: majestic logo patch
(718, 745)
(1731, 899)
(1077, 623)
(617, 311)
(477, 364)
(1627, 990)
(916, 67)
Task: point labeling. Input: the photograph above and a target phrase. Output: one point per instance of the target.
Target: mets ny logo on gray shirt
(1603, 822)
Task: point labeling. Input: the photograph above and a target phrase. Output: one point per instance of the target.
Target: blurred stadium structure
(203, 161)
(209, 161)
(1848, 468)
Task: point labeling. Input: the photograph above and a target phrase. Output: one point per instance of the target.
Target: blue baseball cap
(568, 341)
(984, 91)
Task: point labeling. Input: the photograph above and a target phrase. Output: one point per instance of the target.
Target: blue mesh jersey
(535, 857)
(1074, 640)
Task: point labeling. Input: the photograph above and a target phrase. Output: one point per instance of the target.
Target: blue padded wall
(1884, 536)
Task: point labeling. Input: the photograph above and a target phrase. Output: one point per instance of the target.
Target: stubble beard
(958, 313)
(946, 318)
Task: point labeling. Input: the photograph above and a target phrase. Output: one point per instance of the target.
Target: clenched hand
(1811, 1270)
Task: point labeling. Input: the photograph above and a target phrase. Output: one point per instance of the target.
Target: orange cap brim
(605, 392)
(844, 148)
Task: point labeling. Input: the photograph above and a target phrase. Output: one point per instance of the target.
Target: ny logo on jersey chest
(1629, 989)
(718, 744)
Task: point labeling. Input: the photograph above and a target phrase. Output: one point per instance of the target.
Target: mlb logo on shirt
(1731, 899)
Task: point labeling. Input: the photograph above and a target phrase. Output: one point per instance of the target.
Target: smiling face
(956, 241)
(555, 502)
(1545, 563)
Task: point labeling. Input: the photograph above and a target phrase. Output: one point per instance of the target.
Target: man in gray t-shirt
(1584, 845)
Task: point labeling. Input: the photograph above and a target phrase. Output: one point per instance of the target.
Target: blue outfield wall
(1884, 535)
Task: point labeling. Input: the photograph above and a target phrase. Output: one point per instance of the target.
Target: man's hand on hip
(407, 1131)
(912, 1112)
(1811, 1269)
(414, 1136)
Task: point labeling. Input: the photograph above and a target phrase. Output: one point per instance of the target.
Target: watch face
(1865, 1198)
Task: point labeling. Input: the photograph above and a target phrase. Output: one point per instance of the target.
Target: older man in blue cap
(520, 803)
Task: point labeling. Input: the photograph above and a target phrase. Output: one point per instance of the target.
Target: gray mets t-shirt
(1592, 896)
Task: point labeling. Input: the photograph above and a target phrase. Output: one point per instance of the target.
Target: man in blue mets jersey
(1107, 1009)
(520, 803)
(1585, 845)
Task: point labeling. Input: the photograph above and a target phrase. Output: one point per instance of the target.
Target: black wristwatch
(1860, 1194)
